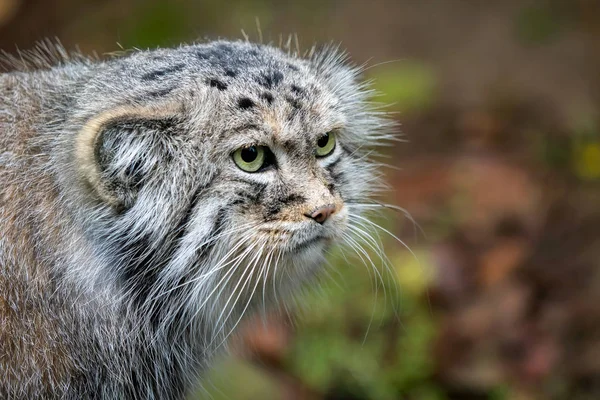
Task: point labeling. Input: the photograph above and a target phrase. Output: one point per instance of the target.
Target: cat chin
(312, 248)
(309, 255)
(305, 265)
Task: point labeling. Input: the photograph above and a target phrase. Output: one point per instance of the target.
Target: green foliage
(586, 151)
(250, 382)
(393, 357)
(538, 24)
(409, 85)
(159, 24)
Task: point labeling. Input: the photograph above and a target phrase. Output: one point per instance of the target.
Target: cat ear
(120, 151)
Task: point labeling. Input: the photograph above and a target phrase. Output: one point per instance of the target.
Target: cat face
(211, 169)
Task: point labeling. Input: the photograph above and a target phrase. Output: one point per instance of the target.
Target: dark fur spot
(270, 79)
(220, 57)
(292, 67)
(250, 191)
(245, 199)
(288, 145)
(271, 210)
(150, 76)
(293, 102)
(240, 200)
(294, 149)
(160, 92)
(296, 107)
(334, 164)
(224, 47)
(273, 207)
(337, 176)
(298, 90)
(246, 127)
(245, 103)
(217, 84)
(267, 96)
(293, 199)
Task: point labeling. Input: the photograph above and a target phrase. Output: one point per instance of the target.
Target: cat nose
(321, 214)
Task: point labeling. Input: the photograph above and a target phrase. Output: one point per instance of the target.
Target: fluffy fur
(132, 245)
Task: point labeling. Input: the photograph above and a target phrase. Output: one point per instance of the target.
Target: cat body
(149, 202)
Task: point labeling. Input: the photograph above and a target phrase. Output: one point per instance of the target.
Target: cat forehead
(220, 65)
(242, 82)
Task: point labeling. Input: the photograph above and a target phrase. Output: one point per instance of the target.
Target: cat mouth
(295, 238)
(310, 243)
(295, 241)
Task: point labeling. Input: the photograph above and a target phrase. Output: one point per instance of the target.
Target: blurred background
(499, 103)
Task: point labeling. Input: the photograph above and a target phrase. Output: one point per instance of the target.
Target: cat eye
(250, 159)
(325, 144)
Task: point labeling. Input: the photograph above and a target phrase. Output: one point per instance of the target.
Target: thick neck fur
(44, 316)
(45, 308)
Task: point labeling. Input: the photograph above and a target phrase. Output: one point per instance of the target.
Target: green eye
(250, 159)
(325, 144)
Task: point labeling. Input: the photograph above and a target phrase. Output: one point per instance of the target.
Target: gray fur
(126, 265)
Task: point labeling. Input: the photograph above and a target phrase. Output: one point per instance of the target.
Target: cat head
(210, 171)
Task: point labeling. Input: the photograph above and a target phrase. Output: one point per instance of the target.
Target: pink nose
(321, 214)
